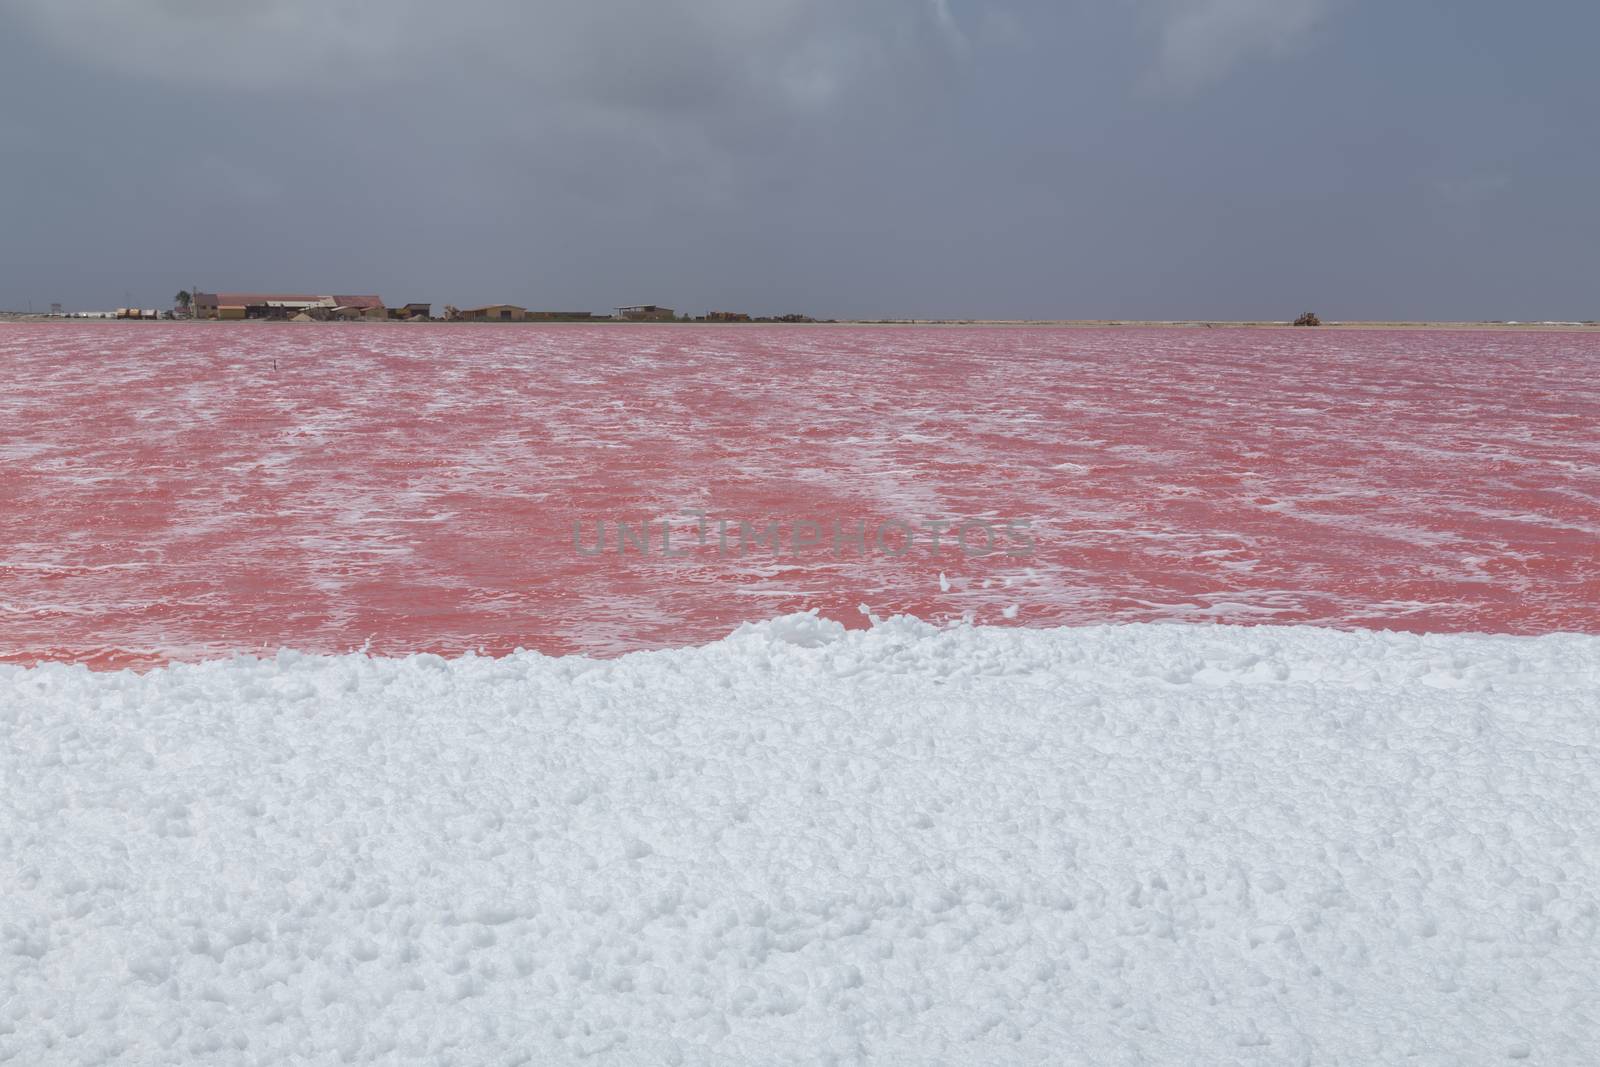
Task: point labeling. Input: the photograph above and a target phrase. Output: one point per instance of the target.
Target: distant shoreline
(1091, 324)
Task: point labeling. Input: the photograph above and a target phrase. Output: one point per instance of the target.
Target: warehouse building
(646, 313)
(285, 306)
(359, 308)
(488, 313)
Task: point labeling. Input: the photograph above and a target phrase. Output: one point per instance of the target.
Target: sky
(1224, 159)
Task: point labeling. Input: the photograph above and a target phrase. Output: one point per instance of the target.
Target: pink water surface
(190, 491)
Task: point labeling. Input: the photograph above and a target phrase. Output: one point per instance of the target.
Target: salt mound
(1101, 846)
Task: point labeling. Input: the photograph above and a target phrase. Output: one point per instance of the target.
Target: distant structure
(358, 309)
(338, 307)
(646, 313)
(285, 306)
(487, 313)
(257, 305)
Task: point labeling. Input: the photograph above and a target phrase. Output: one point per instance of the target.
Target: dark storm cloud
(900, 157)
(644, 56)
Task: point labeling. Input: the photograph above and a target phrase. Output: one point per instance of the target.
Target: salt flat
(1108, 845)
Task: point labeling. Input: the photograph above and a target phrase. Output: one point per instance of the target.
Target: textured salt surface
(1113, 845)
(173, 492)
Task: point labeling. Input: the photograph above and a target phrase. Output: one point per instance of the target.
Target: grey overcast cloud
(893, 158)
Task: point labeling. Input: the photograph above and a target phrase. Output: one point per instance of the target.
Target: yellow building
(493, 313)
